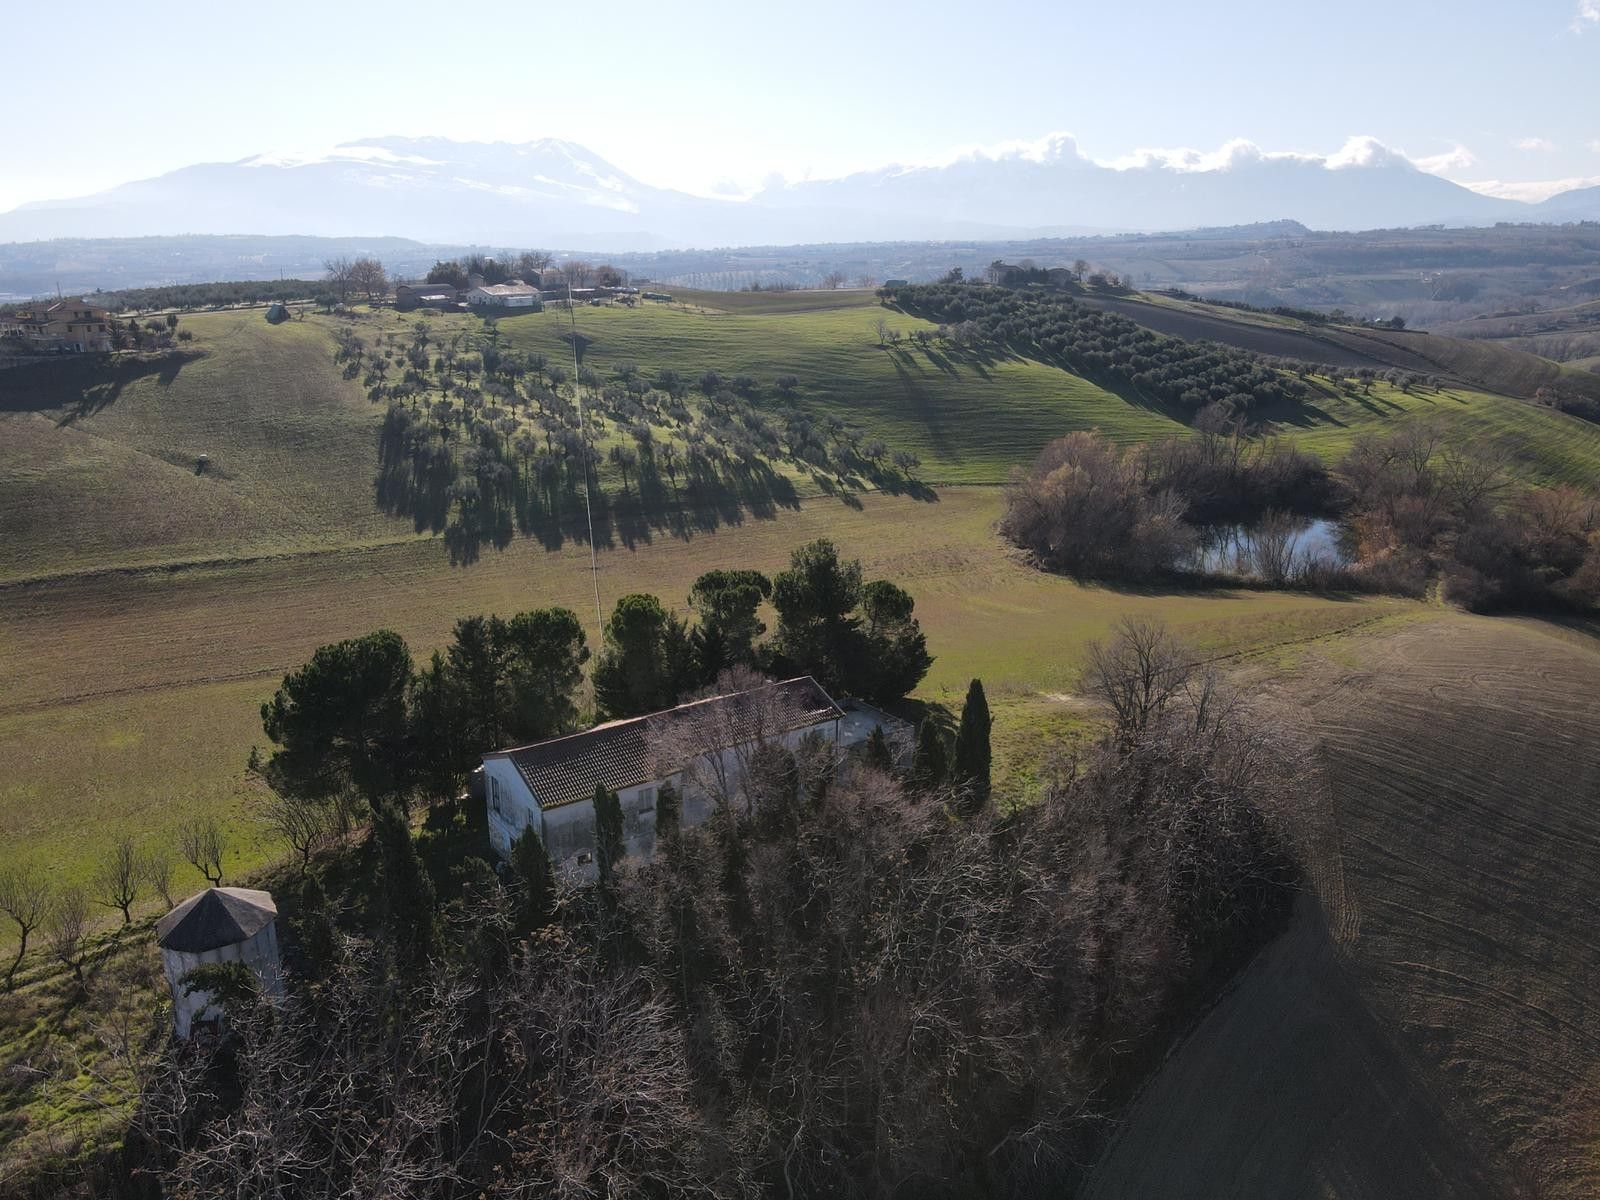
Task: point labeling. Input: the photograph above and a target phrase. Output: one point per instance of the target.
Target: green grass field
(147, 710)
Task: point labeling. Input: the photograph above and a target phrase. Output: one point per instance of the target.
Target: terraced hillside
(1428, 1026)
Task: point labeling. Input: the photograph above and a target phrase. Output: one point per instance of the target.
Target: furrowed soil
(1428, 1025)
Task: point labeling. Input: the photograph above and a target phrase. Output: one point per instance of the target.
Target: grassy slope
(291, 446)
(1427, 1028)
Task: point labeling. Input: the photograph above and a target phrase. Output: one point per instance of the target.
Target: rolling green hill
(99, 465)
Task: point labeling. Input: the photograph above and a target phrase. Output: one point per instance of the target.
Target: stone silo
(218, 925)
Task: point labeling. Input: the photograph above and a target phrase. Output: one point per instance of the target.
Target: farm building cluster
(512, 295)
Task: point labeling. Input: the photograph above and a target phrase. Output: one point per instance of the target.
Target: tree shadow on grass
(79, 386)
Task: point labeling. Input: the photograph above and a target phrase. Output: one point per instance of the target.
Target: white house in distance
(550, 785)
(504, 295)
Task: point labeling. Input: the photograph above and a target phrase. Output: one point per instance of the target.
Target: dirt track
(1261, 339)
(1430, 1026)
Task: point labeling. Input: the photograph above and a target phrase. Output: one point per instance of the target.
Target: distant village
(77, 325)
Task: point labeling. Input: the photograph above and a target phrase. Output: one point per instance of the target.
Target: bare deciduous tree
(66, 928)
(25, 895)
(200, 841)
(368, 277)
(833, 280)
(119, 876)
(339, 272)
(306, 826)
(157, 870)
(734, 777)
(1138, 673)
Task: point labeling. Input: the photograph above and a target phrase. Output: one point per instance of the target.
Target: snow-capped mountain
(1051, 183)
(557, 193)
(425, 188)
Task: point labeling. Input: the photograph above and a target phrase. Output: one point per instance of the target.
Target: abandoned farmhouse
(703, 750)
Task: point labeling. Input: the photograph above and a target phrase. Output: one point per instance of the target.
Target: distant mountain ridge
(554, 192)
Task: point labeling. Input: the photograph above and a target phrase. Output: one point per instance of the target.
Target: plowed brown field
(1430, 1025)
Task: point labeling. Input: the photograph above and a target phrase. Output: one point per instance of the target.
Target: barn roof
(619, 754)
(507, 289)
(215, 918)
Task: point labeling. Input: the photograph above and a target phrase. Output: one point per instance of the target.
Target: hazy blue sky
(720, 94)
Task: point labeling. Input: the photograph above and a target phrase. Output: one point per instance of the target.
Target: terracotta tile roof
(215, 918)
(618, 754)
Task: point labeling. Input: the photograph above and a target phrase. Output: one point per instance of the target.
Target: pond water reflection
(1274, 549)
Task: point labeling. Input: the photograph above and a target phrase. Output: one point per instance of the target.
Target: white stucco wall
(567, 830)
(259, 953)
(511, 806)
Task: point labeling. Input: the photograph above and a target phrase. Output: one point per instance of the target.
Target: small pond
(1268, 550)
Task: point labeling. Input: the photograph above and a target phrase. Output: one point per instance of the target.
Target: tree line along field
(150, 606)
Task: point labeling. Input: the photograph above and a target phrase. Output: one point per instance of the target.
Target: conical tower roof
(215, 918)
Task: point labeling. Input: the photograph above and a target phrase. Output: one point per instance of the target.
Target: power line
(588, 511)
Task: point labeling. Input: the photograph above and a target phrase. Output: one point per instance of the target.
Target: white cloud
(1051, 148)
(1531, 191)
(1457, 159)
(1362, 151)
(1595, 145)
(1588, 14)
(1542, 145)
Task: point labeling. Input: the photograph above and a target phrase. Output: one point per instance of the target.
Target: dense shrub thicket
(1188, 376)
(1418, 507)
(1424, 506)
(847, 984)
(1094, 509)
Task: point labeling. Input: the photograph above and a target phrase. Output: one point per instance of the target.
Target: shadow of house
(79, 387)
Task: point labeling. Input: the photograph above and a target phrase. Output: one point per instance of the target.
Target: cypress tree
(406, 891)
(931, 764)
(878, 753)
(536, 907)
(669, 814)
(971, 766)
(608, 845)
(319, 943)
